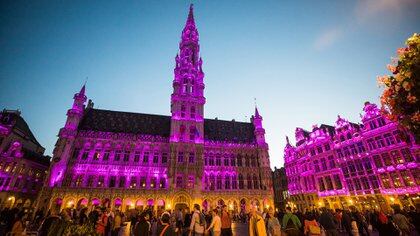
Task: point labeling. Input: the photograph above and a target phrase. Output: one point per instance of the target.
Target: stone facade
(133, 160)
(370, 165)
(22, 163)
(281, 194)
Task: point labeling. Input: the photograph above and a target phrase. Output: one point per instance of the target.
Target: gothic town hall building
(130, 160)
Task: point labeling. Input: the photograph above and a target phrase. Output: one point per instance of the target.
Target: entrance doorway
(181, 206)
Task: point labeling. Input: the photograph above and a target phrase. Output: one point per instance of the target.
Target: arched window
(239, 160)
(206, 182)
(192, 113)
(247, 161)
(182, 111)
(181, 132)
(212, 181)
(192, 133)
(211, 159)
(248, 182)
(241, 181)
(162, 183)
(234, 182)
(225, 160)
(218, 159)
(192, 87)
(255, 182)
(227, 182)
(206, 159)
(253, 164)
(232, 160)
(219, 181)
(184, 86)
(348, 136)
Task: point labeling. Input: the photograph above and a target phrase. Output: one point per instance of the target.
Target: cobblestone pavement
(240, 229)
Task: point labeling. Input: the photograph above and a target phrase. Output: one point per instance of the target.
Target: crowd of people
(350, 222)
(217, 222)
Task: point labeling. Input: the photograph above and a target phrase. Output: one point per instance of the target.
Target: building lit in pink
(133, 160)
(372, 164)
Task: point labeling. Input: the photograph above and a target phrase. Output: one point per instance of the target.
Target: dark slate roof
(125, 122)
(356, 126)
(9, 117)
(138, 123)
(330, 129)
(36, 157)
(222, 130)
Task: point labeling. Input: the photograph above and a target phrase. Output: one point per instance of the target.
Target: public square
(165, 118)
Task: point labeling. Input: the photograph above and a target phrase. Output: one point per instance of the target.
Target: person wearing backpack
(311, 227)
(165, 228)
(198, 222)
(291, 223)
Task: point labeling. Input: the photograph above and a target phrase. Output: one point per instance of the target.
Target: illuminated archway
(117, 203)
(139, 204)
(83, 202)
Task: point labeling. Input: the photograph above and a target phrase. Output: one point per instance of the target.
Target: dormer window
(381, 122)
(372, 125)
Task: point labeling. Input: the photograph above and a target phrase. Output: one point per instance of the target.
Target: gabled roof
(9, 117)
(330, 129)
(160, 125)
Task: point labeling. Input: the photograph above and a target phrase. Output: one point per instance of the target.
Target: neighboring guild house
(23, 165)
(372, 165)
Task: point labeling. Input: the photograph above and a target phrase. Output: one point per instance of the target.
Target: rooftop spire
(190, 19)
(257, 114)
(83, 89)
(190, 32)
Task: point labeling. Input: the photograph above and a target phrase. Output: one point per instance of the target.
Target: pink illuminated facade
(133, 160)
(23, 165)
(371, 165)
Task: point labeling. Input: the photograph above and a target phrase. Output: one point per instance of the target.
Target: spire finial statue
(191, 14)
(83, 89)
(287, 139)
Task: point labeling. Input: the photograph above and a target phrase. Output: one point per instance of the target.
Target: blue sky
(304, 61)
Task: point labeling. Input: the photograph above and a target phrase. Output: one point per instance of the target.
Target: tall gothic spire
(188, 61)
(190, 19)
(187, 99)
(257, 114)
(82, 90)
(190, 32)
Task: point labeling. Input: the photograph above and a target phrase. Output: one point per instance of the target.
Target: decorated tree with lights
(401, 96)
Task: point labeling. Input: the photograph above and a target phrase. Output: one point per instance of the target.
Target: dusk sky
(305, 62)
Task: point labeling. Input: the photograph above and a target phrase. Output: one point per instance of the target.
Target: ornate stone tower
(187, 109)
(66, 136)
(263, 157)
